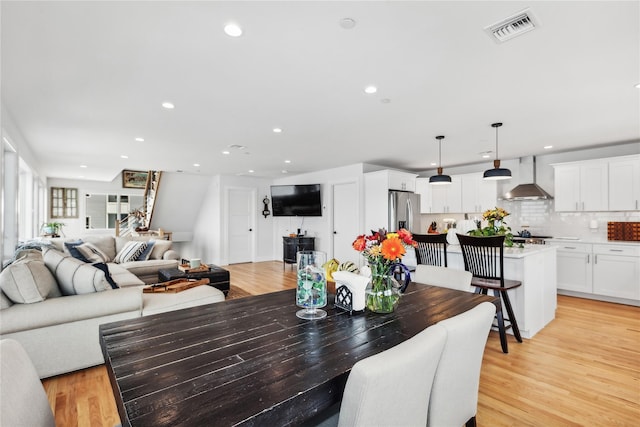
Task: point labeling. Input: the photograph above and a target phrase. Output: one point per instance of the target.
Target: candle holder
(311, 291)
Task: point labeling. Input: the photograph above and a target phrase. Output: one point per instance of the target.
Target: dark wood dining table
(251, 361)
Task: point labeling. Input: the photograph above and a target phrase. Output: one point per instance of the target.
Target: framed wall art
(134, 179)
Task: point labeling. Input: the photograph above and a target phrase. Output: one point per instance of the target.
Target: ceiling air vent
(513, 26)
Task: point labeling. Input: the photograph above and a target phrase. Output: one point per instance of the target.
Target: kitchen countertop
(593, 241)
(514, 252)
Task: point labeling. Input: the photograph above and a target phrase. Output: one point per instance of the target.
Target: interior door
(240, 222)
(345, 221)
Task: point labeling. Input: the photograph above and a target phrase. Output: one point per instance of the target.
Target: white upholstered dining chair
(23, 401)
(443, 276)
(392, 388)
(454, 396)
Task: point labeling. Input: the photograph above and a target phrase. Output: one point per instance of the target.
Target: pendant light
(497, 173)
(440, 179)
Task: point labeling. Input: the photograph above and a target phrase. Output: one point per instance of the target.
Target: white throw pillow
(159, 248)
(91, 253)
(26, 282)
(130, 252)
(74, 276)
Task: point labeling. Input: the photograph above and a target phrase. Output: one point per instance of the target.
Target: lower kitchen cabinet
(609, 272)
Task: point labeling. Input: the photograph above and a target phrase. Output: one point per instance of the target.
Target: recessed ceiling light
(434, 164)
(140, 139)
(124, 157)
(546, 147)
(251, 171)
(226, 152)
(83, 166)
(347, 23)
(370, 89)
(233, 30)
(196, 165)
(168, 105)
(277, 130)
(287, 161)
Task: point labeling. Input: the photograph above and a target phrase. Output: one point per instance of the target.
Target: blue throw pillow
(145, 254)
(71, 247)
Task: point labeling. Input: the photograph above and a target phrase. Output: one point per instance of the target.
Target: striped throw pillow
(130, 252)
(91, 253)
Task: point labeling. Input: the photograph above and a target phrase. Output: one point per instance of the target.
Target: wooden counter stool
(484, 258)
(431, 249)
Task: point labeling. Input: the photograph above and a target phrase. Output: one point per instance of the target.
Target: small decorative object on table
(383, 252)
(311, 291)
(496, 226)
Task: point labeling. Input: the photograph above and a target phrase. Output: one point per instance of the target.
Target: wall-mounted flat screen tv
(296, 200)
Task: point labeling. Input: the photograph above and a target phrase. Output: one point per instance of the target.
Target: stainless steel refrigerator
(404, 211)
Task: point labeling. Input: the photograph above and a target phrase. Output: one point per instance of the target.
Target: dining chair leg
(471, 422)
(501, 328)
(512, 317)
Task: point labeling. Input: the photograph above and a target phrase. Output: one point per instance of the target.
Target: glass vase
(311, 290)
(382, 294)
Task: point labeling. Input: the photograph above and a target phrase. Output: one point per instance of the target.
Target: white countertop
(515, 251)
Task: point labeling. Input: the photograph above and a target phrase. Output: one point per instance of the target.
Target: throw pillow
(147, 252)
(107, 275)
(130, 252)
(74, 276)
(27, 282)
(159, 248)
(72, 248)
(91, 253)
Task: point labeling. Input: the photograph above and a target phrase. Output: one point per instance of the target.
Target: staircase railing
(141, 218)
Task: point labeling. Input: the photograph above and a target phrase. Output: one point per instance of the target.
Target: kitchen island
(534, 303)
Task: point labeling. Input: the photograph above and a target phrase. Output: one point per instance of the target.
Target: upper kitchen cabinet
(581, 186)
(401, 181)
(624, 183)
(440, 198)
(478, 194)
(376, 194)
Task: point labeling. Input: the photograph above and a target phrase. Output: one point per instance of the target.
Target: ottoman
(163, 302)
(218, 276)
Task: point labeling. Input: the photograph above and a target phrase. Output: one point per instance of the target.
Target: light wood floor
(582, 369)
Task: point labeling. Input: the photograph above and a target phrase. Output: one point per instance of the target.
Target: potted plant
(497, 225)
(52, 229)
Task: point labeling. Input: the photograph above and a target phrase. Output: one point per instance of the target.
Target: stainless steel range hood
(530, 191)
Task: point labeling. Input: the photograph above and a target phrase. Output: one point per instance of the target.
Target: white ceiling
(81, 80)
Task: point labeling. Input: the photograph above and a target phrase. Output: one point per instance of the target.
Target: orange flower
(359, 244)
(406, 237)
(392, 248)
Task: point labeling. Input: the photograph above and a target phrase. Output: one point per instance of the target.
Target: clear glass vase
(311, 290)
(382, 294)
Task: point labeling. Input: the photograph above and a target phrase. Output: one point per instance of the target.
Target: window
(103, 210)
(64, 202)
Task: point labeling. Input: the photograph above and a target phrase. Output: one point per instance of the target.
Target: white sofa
(59, 330)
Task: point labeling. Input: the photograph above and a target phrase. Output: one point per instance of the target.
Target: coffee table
(218, 276)
(251, 361)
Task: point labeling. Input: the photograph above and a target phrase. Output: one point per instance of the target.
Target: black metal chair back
(431, 249)
(483, 256)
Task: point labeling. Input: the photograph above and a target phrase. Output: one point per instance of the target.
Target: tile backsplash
(540, 218)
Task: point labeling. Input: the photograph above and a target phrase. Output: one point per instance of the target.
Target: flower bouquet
(383, 252)
(496, 225)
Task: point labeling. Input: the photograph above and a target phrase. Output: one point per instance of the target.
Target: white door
(240, 226)
(345, 221)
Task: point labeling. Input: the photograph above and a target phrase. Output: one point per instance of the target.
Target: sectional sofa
(53, 303)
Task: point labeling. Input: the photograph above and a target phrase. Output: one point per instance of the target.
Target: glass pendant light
(497, 172)
(440, 179)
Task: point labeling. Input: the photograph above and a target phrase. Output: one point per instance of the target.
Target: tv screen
(296, 200)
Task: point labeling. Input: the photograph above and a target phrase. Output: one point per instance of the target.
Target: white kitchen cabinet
(581, 186)
(478, 194)
(422, 188)
(376, 195)
(575, 271)
(624, 183)
(616, 271)
(446, 198)
(402, 181)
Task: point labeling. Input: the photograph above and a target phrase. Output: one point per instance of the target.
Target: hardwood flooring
(582, 369)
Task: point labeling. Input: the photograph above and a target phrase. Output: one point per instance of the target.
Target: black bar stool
(484, 258)
(431, 249)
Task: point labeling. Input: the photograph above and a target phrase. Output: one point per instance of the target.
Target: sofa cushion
(26, 282)
(106, 243)
(122, 276)
(92, 253)
(5, 302)
(72, 249)
(130, 252)
(160, 303)
(159, 248)
(74, 277)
